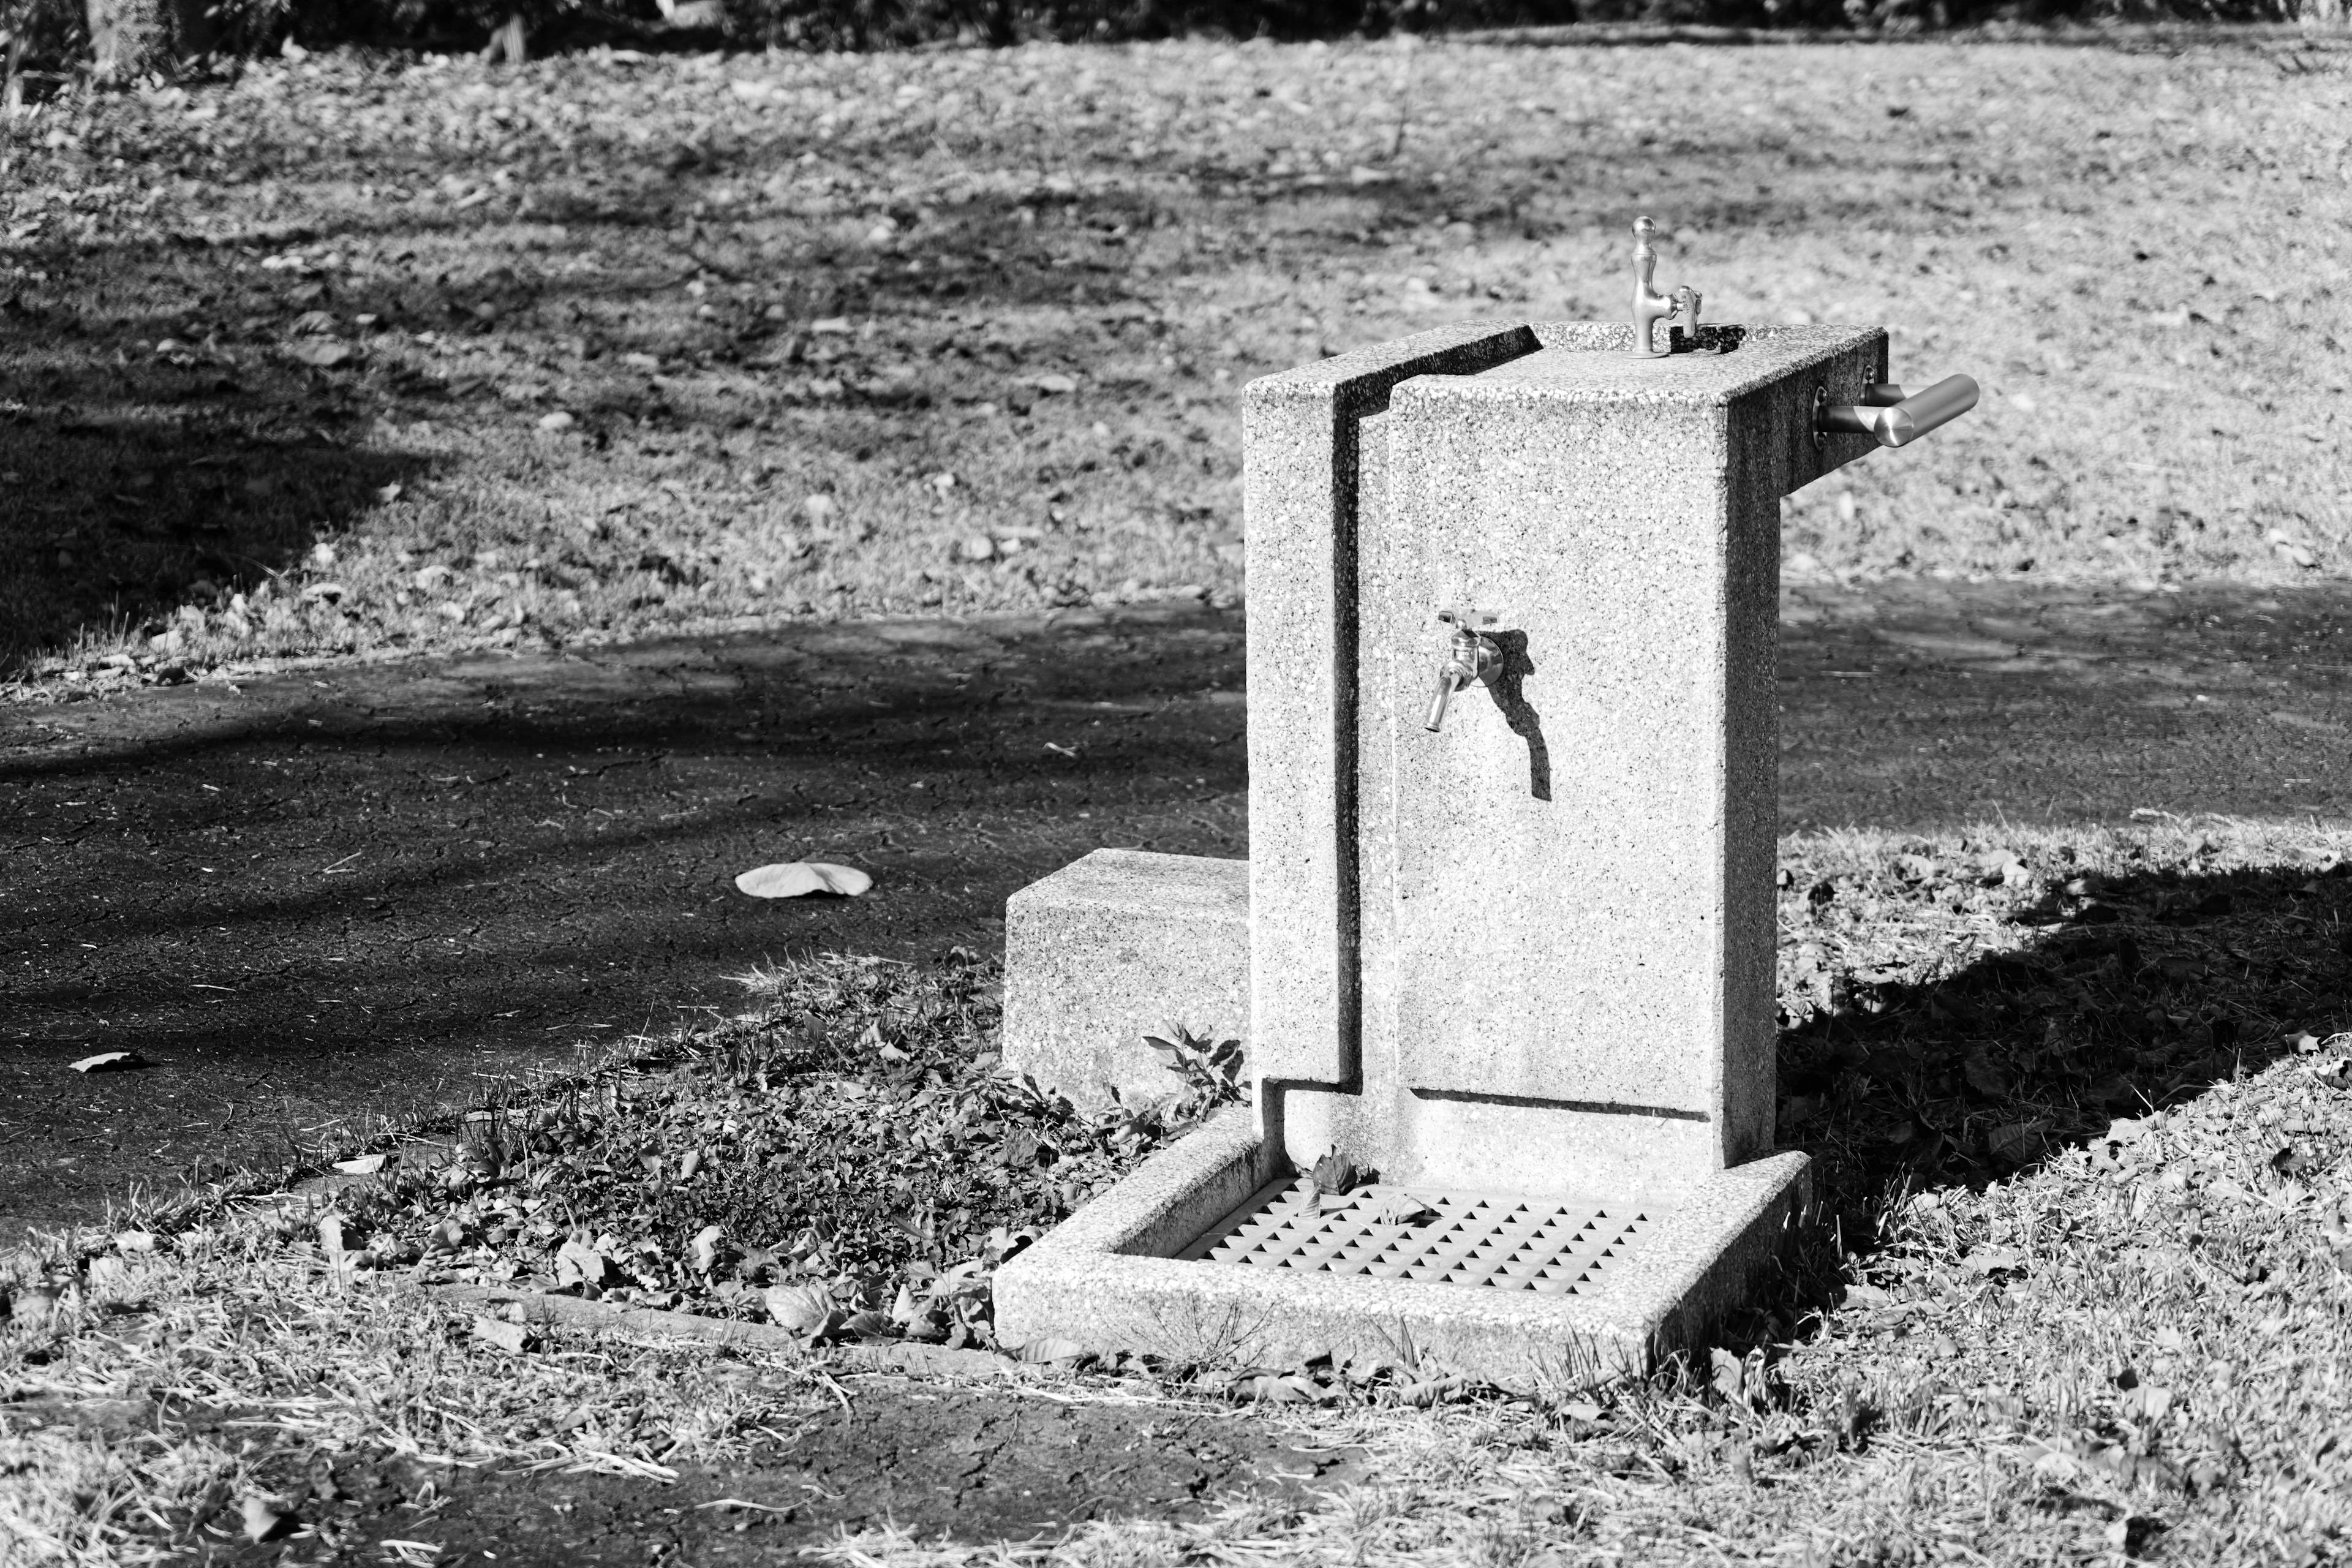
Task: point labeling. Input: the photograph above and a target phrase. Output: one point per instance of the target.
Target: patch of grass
(2080, 1282)
(853, 1137)
(291, 357)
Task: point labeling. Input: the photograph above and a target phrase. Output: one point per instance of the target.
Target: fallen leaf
(706, 1247)
(365, 1166)
(1984, 1075)
(511, 1338)
(1990, 1260)
(1402, 1208)
(2015, 1141)
(265, 1519)
(31, 1309)
(1051, 1349)
(111, 1061)
(797, 1309)
(321, 353)
(1334, 1173)
(868, 1325)
(577, 1263)
(796, 879)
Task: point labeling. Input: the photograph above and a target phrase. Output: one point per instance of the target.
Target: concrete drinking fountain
(1505, 941)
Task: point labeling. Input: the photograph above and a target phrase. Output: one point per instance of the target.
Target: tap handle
(1898, 421)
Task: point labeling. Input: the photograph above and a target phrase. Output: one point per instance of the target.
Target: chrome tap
(1650, 307)
(1472, 658)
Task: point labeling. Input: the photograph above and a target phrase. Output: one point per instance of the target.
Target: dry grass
(2058, 1329)
(750, 282)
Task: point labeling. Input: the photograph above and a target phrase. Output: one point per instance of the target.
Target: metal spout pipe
(1898, 420)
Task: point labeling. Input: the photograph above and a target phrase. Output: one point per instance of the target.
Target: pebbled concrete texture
(1103, 1279)
(1115, 946)
(1582, 861)
(1300, 432)
(502, 923)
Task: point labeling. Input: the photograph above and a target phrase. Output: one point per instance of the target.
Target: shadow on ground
(136, 489)
(361, 890)
(2132, 995)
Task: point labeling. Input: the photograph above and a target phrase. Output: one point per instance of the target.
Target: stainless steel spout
(1890, 418)
(1472, 659)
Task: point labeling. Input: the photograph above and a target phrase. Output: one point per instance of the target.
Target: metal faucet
(1472, 658)
(1650, 307)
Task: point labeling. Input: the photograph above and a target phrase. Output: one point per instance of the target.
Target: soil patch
(973, 1465)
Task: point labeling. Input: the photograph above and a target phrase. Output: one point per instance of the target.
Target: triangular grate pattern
(1498, 1240)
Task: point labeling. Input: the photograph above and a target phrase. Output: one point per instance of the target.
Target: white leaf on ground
(577, 1263)
(1992, 1261)
(706, 1246)
(797, 1309)
(264, 1518)
(511, 1338)
(111, 1061)
(365, 1166)
(321, 353)
(796, 879)
(31, 1309)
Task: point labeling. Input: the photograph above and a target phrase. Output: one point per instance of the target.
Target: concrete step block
(1115, 946)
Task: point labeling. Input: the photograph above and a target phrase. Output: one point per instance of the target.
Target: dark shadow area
(2131, 995)
(374, 892)
(138, 488)
(1509, 691)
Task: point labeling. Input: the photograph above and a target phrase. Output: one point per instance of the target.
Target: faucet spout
(1472, 659)
(1446, 684)
(1650, 306)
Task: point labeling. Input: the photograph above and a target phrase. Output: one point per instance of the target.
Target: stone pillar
(1562, 949)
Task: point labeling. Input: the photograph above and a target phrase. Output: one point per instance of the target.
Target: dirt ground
(970, 1462)
(352, 892)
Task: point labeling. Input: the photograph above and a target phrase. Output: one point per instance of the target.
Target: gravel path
(327, 895)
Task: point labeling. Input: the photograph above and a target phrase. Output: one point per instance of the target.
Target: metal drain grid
(1496, 1240)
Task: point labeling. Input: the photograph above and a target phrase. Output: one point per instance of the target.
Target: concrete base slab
(1111, 1278)
(1117, 945)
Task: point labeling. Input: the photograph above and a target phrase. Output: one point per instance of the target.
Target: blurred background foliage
(49, 40)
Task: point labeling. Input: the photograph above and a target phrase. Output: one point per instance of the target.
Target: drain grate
(1499, 1240)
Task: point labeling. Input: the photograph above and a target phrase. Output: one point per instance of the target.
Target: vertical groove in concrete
(1300, 438)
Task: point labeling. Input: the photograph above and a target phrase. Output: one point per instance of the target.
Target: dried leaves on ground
(357, 355)
(849, 1162)
(2122, 1331)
